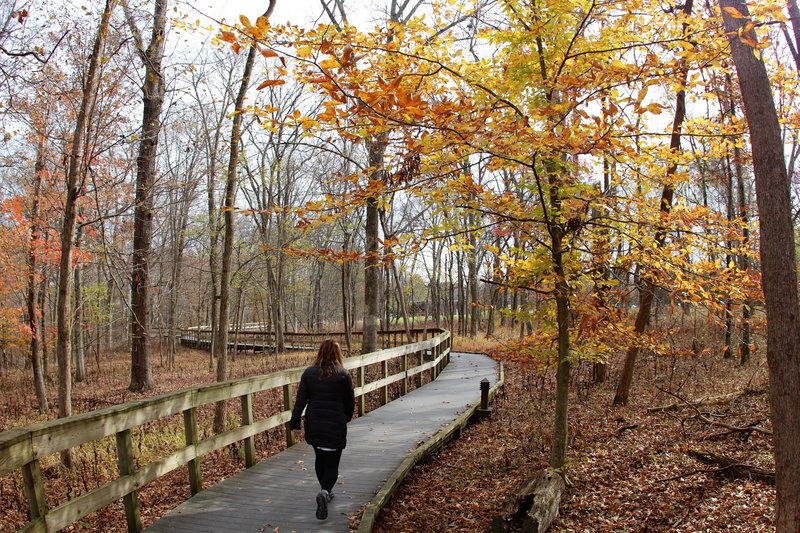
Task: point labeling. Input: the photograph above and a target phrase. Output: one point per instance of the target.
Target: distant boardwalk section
(278, 493)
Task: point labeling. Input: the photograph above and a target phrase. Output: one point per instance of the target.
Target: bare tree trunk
(495, 291)
(779, 268)
(461, 291)
(34, 311)
(472, 273)
(558, 449)
(213, 259)
(231, 184)
(43, 327)
(153, 89)
(276, 301)
(646, 303)
(175, 280)
(78, 336)
(75, 170)
(372, 259)
(110, 308)
(346, 296)
(744, 343)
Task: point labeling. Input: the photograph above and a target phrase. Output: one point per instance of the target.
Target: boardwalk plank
(277, 495)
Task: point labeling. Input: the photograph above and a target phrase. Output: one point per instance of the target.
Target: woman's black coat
(328, 392)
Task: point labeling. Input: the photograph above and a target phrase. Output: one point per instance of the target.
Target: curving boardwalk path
(277, 495)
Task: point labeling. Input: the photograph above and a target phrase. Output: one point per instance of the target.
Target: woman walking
(327, 389)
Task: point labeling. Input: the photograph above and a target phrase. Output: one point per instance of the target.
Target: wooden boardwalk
(277, 495)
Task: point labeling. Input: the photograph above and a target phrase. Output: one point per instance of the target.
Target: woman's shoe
(322, 505)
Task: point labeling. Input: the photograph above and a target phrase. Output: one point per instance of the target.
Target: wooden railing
(257, 338)
(22, 448)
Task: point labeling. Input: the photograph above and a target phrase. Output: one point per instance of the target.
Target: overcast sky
(298, 12)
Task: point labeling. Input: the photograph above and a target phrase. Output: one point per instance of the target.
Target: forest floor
(629, 468)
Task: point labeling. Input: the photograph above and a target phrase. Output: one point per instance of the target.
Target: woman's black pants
(326, 466)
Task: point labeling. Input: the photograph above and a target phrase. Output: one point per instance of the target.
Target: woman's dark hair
(329, 357)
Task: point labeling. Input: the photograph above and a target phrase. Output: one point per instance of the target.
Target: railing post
(133, 515)
(247, 419)
(404, 368)
(287, 406)
(191, 436)
(384, 373)
(361, 383)
(34, 490)
(418, 376)
(450, 347)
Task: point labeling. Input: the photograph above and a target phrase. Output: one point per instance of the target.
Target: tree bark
(744, 264)
(372, 259)
(75, 171)
(779, 269)
(78, 333)
(153, 89)
(179, 239)
(346, 299)
(472, 273)
(34, 311)
(535, 504)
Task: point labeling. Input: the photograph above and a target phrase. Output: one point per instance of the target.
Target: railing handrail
(21, 448)
(267, 330)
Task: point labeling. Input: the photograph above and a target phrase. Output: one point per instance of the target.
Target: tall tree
(647, 293)
(75, 170)
(231, 184)
(34, 275)
(778, 259)
(153, 89)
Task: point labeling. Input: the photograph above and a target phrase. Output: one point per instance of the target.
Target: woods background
(578, 175)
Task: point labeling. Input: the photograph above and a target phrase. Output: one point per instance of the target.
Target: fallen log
(743, 431)
(733, 468)
(700, 402)
(702, 416)
(535, 504)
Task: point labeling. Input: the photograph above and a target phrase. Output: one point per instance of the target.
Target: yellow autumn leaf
(227, 37)
(308, 123)
(270, 83)
(733, 12)
(329, 63)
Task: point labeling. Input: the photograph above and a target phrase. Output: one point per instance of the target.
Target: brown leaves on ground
(629, 469)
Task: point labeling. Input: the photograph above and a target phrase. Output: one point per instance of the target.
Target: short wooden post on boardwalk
(418, 377)
(384, 373)
(192, 438)
(404, 369)
(34, 489)
(362, 397)
(133, 515)
(247, 419)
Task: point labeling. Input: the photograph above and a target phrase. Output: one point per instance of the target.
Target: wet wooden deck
(278, 494)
